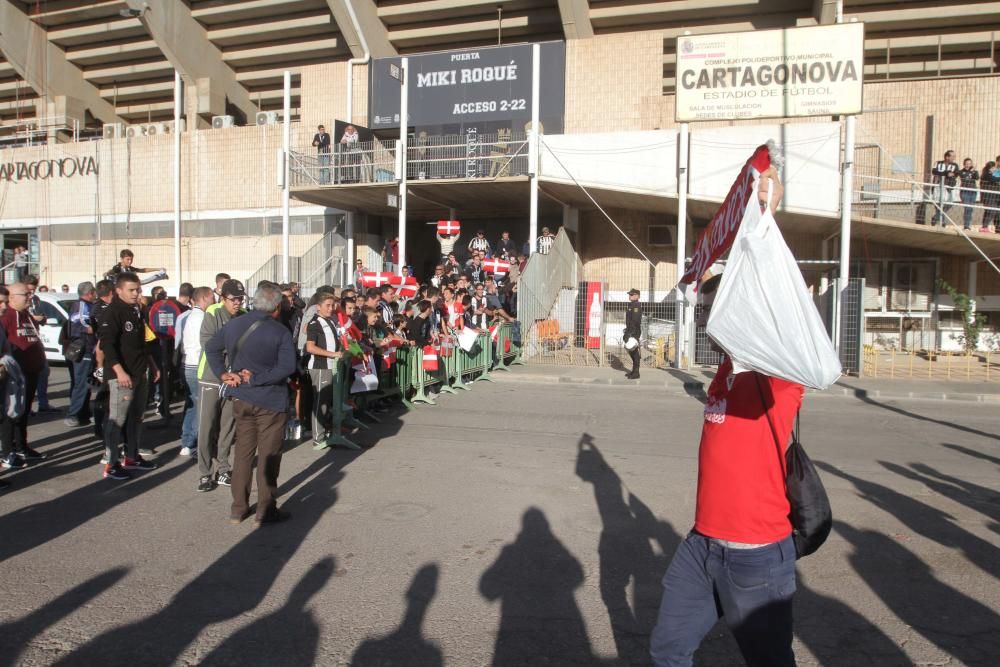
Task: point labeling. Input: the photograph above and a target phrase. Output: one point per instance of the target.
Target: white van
(55, 306)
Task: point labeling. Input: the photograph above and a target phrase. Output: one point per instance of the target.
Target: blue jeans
(79, 400)
(43, 387)
(751, 588)
(189, 428)
(968, 198)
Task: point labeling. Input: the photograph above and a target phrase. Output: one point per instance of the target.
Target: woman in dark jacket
(989, 186)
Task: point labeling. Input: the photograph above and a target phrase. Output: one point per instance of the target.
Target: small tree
(972, 322)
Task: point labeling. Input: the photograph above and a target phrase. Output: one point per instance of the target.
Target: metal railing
(323, 263)
(363, 162)
(468, 156)
(908, 199)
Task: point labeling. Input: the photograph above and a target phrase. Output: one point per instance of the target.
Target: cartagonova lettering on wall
(41, 170)
(815, 71)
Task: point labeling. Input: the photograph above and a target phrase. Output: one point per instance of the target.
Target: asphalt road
(514, 524)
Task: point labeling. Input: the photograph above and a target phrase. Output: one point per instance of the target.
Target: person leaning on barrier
(633, 330)
(254, 357)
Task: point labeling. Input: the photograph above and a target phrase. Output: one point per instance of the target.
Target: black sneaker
(12, 460)
(31, 455)
(137, 464)
(206, 483)
(115, 472)
(225, 478)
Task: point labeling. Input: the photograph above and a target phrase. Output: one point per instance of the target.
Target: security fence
(345, 164)
(929, 364)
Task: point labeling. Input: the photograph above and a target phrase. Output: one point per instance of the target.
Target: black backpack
(810, 514)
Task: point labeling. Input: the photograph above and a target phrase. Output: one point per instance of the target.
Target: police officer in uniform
(633, 329)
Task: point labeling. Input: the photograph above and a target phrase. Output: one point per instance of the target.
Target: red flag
(494, 265)
(494, 332)
(722, 228)
(449, 227)
(374, 279)
(456, 310)
(406, 286)
(430, 358)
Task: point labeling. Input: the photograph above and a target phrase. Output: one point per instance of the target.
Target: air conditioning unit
(113, 131)
(267, 117)
(219, 122)
(135, 131)
(168, 127)
(154, 129)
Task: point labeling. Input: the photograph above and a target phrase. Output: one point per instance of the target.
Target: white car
(55, 306)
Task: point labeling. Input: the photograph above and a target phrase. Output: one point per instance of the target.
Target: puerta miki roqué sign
(41, 170)
(468, 86)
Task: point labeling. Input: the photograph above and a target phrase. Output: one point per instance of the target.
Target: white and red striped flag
(449, 227)
(375, 278)
(430, 358)
(721, 230)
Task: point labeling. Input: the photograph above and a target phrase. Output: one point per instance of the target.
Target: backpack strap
(767, 414)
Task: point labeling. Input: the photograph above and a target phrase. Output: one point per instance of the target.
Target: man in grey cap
(633, 329)
(216, 425)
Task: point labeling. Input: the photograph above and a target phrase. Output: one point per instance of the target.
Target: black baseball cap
(634, 291)
(233, 288)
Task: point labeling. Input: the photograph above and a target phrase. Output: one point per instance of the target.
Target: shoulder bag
(810, 513)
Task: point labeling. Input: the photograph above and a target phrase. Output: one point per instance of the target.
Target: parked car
(55, 306)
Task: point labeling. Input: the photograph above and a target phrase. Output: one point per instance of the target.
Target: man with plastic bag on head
(738, 561)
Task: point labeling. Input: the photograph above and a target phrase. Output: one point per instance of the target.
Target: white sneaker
(187, 451)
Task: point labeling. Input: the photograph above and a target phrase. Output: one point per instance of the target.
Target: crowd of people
(252, 370)
(966, 185)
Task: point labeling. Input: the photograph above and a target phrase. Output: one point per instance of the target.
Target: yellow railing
(930, 365)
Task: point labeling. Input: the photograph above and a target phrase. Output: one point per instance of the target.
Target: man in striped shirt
(324, 350)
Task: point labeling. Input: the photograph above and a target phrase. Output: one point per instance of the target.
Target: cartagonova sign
(815, 71)
(41, 170)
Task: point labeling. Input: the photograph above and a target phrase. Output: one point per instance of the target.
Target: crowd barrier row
(408, 379)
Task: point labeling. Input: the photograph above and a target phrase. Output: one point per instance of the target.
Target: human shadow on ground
(956, 623)
(30, 526)
(863, 397)
(534, 578)
(931, 522)
(971, 452)
(288, 636)
(406, 645)
(981, 499)
(16, 635)
(231, 586)
(627, 558)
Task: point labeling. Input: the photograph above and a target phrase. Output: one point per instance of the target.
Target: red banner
(594, 315)
(721, 230)
(374, 279)
(449, 227)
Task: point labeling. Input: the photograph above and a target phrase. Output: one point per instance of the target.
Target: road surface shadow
(406, 645)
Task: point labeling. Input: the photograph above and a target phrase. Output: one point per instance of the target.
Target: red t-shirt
(26, 345)
(741, 484)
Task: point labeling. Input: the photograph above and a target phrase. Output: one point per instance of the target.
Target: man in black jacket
(122, 334)
(262, 358)
(633, 329)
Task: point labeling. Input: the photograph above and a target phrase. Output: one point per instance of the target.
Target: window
(661, 235)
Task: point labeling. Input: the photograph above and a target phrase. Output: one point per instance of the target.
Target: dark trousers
(216, 429)
(751, 588)
(167, 374)
(259, 435)
(324, 394)
(6, 434)
(635, 359)
(125, 410)
(21, 423)
(79, 401)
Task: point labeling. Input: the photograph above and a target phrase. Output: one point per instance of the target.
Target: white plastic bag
(763, 315)
(365, 376)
